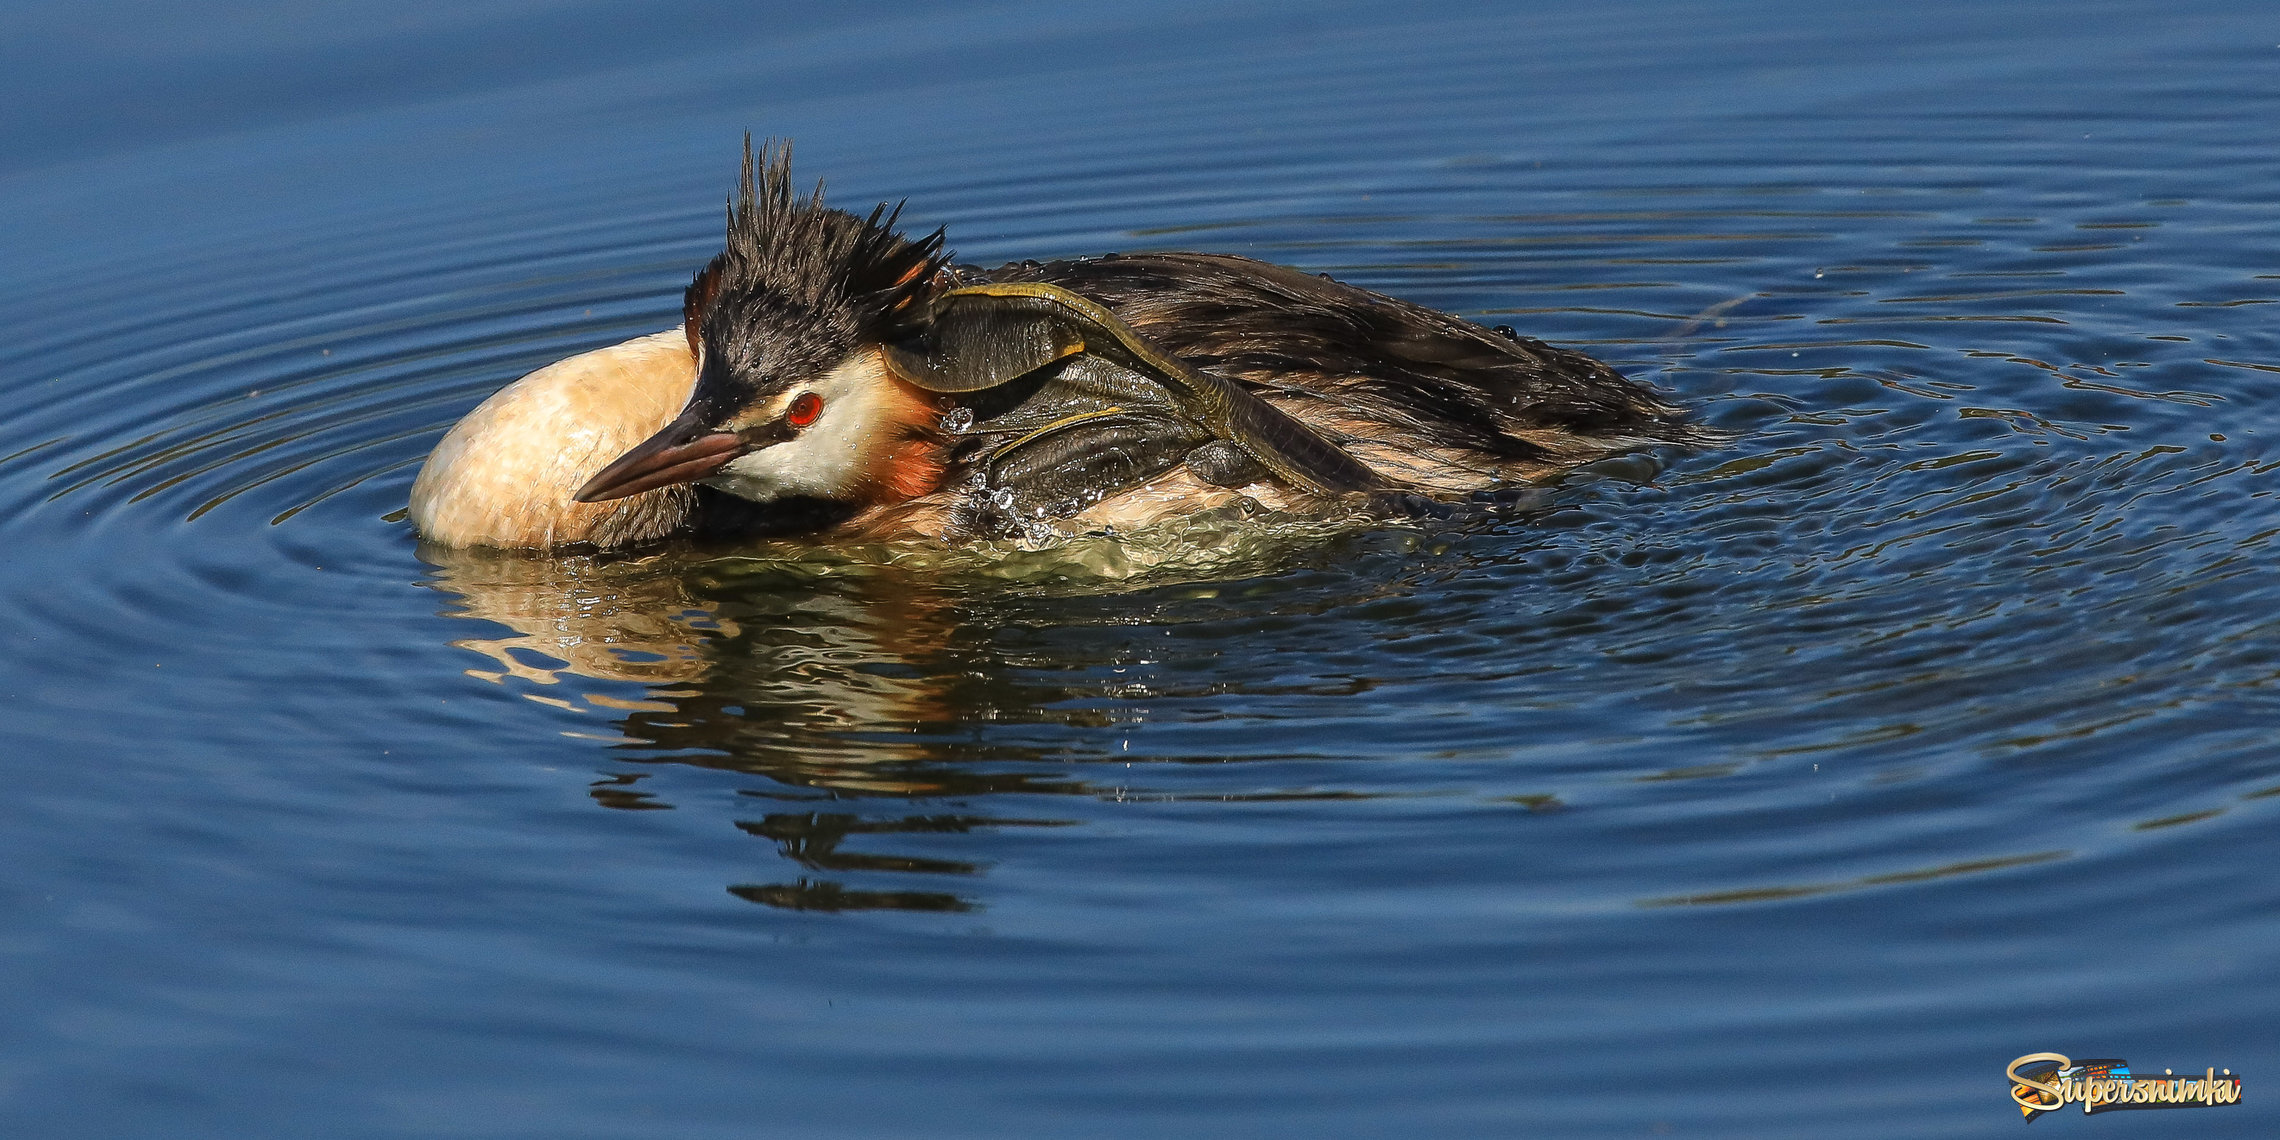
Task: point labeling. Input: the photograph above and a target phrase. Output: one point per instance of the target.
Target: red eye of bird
(804, 410)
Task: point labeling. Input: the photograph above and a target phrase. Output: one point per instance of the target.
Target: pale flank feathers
(504, 476)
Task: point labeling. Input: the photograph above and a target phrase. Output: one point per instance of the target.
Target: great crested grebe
(832, 377)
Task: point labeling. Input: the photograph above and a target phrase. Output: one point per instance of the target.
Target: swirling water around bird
(1784, 789)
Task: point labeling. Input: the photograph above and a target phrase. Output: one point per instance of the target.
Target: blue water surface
(1787, 789)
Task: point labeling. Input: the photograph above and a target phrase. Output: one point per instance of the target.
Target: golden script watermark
(2046, 1082)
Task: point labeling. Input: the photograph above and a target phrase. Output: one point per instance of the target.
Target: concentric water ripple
(1951, 444)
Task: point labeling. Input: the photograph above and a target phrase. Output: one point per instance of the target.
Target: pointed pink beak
(683, 451)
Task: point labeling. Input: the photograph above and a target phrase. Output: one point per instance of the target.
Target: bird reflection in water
(626, 620)
(829, 680)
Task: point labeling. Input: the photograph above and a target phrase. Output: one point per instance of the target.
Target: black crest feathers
(805, 275)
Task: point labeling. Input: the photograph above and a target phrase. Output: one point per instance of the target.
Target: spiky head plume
(801, 285)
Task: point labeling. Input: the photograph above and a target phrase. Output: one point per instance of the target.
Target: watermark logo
(2046, 1082)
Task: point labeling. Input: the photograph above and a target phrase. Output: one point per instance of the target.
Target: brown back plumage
(1361, 358)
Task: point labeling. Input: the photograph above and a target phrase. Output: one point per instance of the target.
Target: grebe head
(792, 399)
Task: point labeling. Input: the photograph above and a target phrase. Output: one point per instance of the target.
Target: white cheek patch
(830, 458)
(762, 476)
